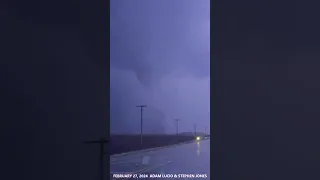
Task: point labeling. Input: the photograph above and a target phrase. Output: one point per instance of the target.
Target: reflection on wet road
(186, 161)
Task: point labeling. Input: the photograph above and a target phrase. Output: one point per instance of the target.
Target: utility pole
(141, 108)
(195, 129)
(102, 141)
(177, 126)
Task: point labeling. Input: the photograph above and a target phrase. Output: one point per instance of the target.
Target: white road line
(151, 149)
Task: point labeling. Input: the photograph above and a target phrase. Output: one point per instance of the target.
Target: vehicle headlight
(198, 138)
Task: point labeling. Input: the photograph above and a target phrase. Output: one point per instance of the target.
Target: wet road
(186, 161)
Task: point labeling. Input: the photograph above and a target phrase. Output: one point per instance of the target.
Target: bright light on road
(198, 138)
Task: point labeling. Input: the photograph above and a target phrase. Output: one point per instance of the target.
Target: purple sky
(160, 57)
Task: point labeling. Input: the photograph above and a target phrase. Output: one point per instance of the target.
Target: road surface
(186, 161)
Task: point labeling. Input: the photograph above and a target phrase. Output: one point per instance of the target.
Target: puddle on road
(136, 164)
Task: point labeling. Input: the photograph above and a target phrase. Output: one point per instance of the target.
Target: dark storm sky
(160, 58)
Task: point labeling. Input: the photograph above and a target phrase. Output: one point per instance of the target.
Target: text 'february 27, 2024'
(161, 176)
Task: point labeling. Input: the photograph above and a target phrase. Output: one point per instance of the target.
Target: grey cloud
(159, 57)
(153, 38)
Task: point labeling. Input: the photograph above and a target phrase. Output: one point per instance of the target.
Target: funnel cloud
(160, 58)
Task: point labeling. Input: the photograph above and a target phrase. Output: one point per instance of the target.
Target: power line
(141, 122)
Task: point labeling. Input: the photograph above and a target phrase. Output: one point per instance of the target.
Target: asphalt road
(185, 161)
